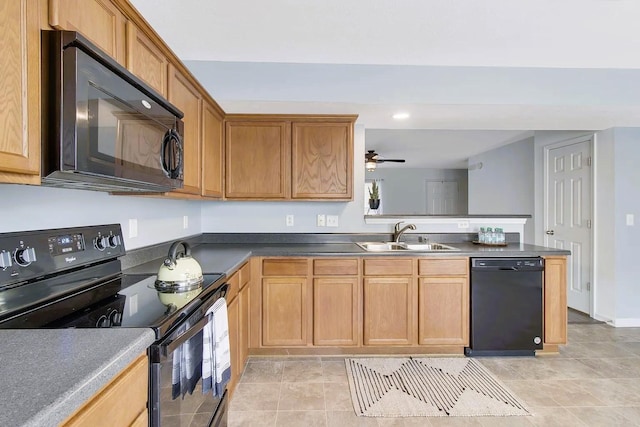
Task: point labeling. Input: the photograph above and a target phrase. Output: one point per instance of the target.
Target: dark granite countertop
(228, 257)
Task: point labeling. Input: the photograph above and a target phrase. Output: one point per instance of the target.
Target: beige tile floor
(594, 381)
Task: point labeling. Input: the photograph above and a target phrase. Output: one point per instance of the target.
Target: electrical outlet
(321, 221)
(630, 219)
(133, 228)
(332, 220)
(185, 221)
(133, 304)
(289, 220)
(463, 224)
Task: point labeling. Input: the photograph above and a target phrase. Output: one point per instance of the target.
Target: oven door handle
(171, 346)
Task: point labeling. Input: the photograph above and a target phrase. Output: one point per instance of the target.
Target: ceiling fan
(371, 159)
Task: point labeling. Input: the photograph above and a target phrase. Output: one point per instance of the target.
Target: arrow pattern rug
(428, 386)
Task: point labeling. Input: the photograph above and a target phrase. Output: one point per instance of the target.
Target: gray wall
(31, 208)
(627, 238)
(505, 183)
(404, 189)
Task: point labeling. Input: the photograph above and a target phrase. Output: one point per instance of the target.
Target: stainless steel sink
(402, 246)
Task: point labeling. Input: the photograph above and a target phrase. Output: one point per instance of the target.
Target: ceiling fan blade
(390, 160)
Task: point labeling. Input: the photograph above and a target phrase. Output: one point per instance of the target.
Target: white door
(568, 214)
(442, 197)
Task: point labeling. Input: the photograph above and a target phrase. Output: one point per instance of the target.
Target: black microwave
(102, 127)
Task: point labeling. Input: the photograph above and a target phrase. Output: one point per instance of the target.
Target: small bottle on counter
(481, 235)
(500, 237)
(488, 237)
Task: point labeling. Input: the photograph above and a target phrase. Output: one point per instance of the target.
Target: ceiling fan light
(370, 165)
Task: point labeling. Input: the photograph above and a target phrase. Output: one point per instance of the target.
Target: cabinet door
(322, 161)
(257, 160)
(20, 95)
(146, 60)
(244, 327)
(99, 20)
(335, 311)
(443, 311)
(211, 151)
(284, 311)
(122, 402)
(389, 314)
(187, 98)
(233, 314)
(555, 300)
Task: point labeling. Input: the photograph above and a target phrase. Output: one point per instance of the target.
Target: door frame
(545, 207)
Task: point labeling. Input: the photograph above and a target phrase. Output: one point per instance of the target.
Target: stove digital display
(66, 244)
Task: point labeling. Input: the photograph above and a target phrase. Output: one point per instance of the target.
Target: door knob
(550, 232)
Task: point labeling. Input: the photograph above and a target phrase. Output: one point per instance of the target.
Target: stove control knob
(102, 322)
(116, 318)
(101, 243)
(5, 260)
(24, 257)
(113, 241)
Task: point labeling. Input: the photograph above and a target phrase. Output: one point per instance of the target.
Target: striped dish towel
(216, 356)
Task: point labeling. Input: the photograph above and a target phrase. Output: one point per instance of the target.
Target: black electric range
(71, 277)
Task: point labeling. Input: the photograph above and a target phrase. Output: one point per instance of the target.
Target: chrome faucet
(397, 231)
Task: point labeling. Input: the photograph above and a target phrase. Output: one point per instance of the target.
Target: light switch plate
(332, 220)
(321, 221)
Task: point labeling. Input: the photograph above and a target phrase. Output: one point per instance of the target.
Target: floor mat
(428, 386)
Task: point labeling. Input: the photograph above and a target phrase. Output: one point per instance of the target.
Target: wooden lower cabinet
(122, 402)
(284, 311)
(443, 311)
(233, 314)
(243, 324)
(389, 314)
(335, 311)
(555, 300)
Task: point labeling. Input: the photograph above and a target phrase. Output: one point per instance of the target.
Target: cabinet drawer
(245, 275)
(443, 267)
(284, 267)
(234, 286)
(335, 267)
(386, 267)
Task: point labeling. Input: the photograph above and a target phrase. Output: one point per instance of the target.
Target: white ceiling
(454, 65)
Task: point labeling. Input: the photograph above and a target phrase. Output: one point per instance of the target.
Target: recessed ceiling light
(401, 116)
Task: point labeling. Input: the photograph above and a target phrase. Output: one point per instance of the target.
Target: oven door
(175, 384)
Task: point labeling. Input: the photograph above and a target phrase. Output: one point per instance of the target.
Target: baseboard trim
(626, 323)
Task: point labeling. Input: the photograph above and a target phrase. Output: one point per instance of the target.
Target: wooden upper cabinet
(184, 95)
(146, 60)
(257, 155)
(20, 94)
(212, 151)
(99, 20)
(322, 160)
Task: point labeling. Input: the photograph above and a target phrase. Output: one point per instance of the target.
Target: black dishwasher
(506, 306)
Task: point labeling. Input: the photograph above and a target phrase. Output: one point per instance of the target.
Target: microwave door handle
(173, 164)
